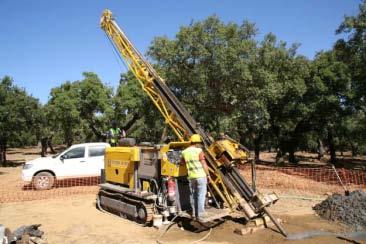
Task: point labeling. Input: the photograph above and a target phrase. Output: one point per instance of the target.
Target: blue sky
(44, 43)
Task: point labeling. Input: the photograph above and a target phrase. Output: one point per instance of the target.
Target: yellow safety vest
(191, 156)
(115, 133)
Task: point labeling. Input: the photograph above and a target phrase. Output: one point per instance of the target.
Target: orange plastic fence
(20, 191)
(306, 181)
(282, 180)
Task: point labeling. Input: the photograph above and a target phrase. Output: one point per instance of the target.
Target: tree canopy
(20, 117)
(259, 91)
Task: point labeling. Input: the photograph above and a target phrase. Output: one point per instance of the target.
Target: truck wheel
(43, 181)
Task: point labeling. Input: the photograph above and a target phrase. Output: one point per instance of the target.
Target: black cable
(119, 58)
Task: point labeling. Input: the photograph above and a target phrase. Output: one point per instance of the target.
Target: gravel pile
(350, 210)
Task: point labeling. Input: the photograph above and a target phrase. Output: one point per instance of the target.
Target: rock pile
(350, 210)
(23, 235)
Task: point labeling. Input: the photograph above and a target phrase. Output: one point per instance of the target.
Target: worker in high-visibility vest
(114, 134)
(198, 175)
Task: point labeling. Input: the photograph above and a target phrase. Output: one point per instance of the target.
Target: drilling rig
(140, 181)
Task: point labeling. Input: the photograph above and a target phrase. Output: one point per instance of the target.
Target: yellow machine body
(226, 151)
(120, 163)
(170, 167)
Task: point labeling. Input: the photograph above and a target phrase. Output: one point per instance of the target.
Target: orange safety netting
(304, 181)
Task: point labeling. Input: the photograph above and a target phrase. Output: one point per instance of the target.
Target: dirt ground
(74, 219)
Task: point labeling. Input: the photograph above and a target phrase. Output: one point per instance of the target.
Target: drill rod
(273, 219)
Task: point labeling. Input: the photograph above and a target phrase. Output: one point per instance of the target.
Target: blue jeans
(198, 189)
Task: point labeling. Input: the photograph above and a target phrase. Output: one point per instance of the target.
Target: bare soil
(306, 159)
(76, 220)
(73, 218)
(18, 156)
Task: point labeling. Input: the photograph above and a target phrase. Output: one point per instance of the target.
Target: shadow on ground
(13, 163)
(195, 226)
(312, 161)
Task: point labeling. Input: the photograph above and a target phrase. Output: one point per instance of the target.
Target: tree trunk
(279, 156)
(1, 155)
(257, 147)
(291, 155)
(320, 149)
(49, 144)
(4, 155)
(44, 146)
(97, 133)
(69, 141)
(242, 137)
(332, 151)
(2, 152)
(164, 136)
(353, 147)
(131, 122)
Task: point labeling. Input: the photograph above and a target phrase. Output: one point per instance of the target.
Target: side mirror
(62, 157)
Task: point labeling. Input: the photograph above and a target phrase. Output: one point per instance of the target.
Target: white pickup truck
(81, 160)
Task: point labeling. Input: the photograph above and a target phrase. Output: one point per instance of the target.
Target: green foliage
(75, 109)
(352, 133)
(204, 65)
(19, 117)
(132, 106)
(260, 92)
(279, 85)
(353, 52)
(230, 82)
(329, 89)
(263, 90)
(19, 114)
(63, 112)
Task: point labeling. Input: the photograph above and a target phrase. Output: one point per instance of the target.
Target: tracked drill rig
(145, 180)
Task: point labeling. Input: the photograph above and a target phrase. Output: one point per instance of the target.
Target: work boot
(191, 214)
(202, 217)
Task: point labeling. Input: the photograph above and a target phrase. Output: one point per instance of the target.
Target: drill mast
(227, 183)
